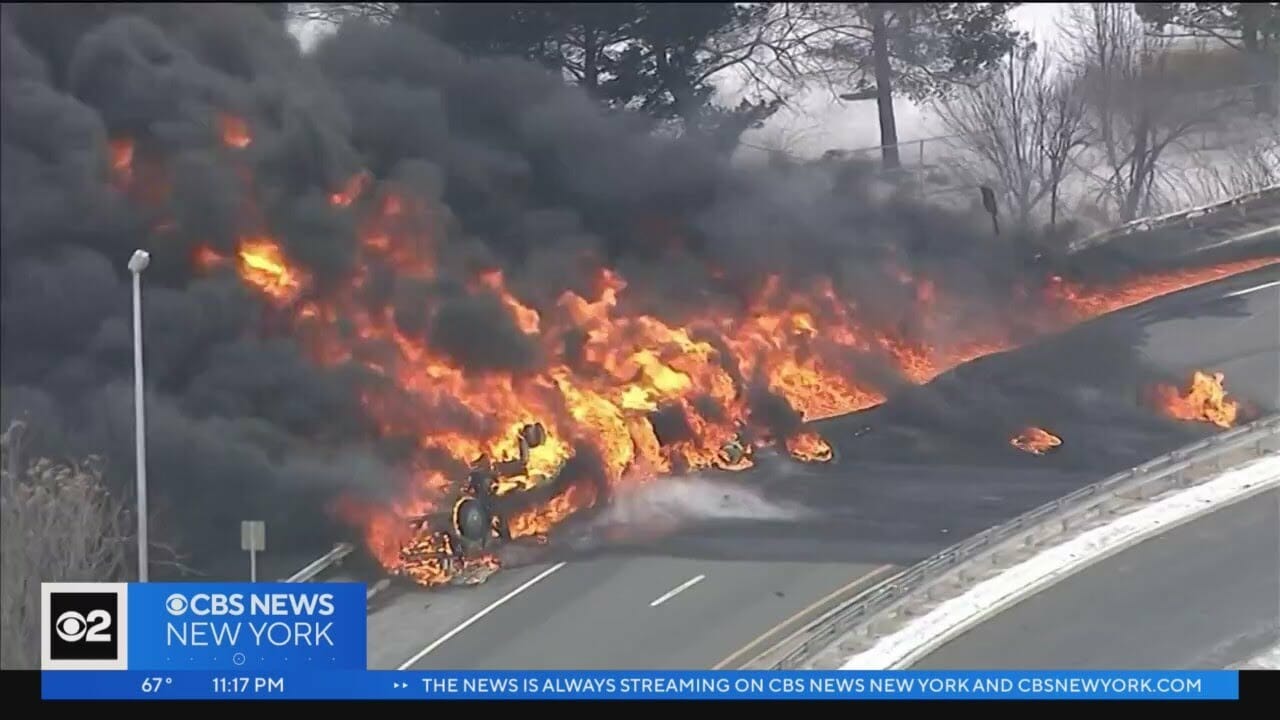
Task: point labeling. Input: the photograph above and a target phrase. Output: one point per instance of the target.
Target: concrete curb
(990, 597)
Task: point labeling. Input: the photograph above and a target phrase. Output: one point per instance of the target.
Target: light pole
(138, 263)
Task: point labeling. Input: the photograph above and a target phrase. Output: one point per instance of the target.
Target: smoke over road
(371, 264)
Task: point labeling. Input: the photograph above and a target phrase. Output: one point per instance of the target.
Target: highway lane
(1201, 596)
(679, 605)
(650, 612)
(596, 611)
(1238, 335)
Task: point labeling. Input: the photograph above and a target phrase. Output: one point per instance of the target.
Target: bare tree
(1134, 108)
(60, 524)
(336, 13)
(1025, 125)
(1251, 29)
(1249, 168)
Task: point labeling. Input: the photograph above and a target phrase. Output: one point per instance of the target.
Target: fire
(207, 258)
(1204, 400)
(538, 521)
(1036, 441)
(263, 265)
(809, 447)
(121, 151)
(648, 396)
(1085, 302)
(235, 131)
(352, 190)
(631, 394)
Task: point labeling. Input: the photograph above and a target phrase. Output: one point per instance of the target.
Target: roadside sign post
(989, 204)
(253, 539)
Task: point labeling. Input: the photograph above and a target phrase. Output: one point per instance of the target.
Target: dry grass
(60, 524)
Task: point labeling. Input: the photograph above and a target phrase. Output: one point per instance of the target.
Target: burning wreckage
(475, 524)
(459, 546)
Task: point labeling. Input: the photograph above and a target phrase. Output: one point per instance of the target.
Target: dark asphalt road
(1201, 596)
(1238, 336)
(755, 550)
(635, 613)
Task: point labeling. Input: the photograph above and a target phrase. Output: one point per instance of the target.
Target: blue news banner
(201, 641)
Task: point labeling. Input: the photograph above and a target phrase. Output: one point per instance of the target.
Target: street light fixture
(139, 262)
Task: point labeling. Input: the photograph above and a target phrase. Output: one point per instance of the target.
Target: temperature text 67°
(153, 684)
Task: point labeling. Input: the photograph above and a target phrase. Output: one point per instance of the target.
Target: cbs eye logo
(71, 626)
(83, 626)
(176, 604)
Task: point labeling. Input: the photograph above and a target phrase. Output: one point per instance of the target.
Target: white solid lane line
(1246, 236)
(1253, 289)
(472, 620)
(678, 589)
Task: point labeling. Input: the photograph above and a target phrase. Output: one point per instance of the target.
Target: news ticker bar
(643, 685)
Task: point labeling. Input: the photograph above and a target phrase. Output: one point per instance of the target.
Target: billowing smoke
(525, 175)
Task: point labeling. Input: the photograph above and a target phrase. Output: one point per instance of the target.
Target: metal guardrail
(1151, 224)
(835, 624)
(322, 563)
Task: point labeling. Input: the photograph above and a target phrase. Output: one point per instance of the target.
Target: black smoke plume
(531, 177)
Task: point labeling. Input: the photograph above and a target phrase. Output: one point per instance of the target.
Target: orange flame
(207, 258)
(1205, 400)
(1036, 441)
(809, 447)
(352, 190)
(121, 161)
(263, 265)
(1085, 302)
(235, 131)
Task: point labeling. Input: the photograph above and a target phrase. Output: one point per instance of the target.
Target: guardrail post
(332, 558)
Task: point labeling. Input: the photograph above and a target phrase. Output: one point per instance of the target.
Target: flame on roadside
(1204, 399)
(809, 447)
(1036, 441)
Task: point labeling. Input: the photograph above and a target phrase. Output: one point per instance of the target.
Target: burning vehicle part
(1036, 441)
(461, 549)
(735, 455)
(810, 447)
